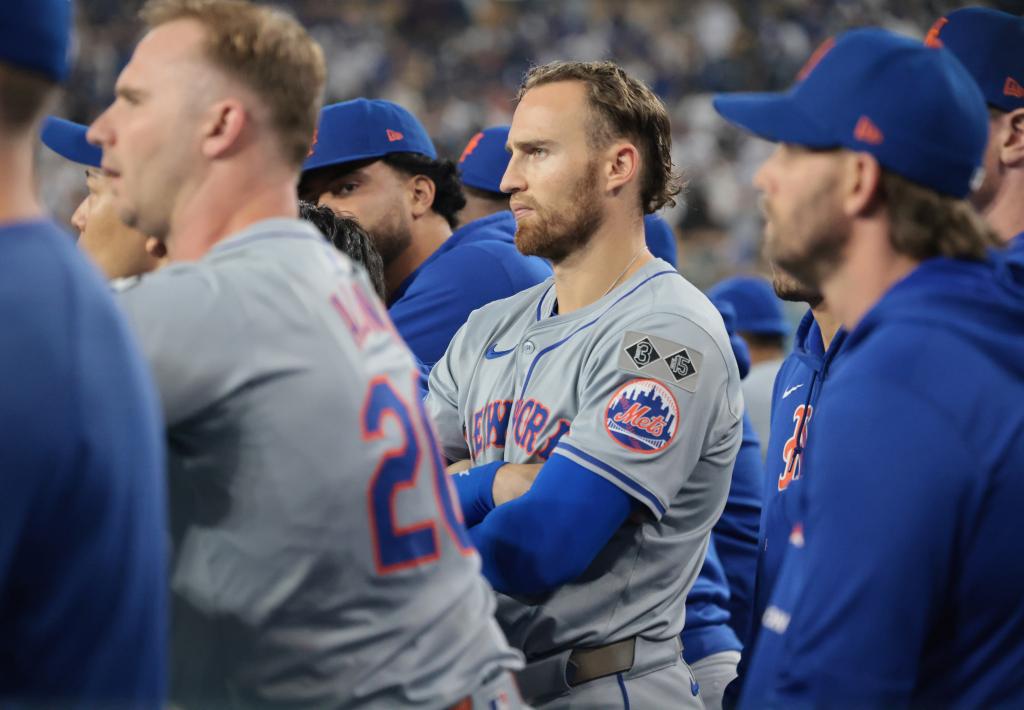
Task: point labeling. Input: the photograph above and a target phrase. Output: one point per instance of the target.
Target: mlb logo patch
(642, 416)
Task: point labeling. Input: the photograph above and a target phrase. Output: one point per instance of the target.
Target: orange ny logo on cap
(818, 55)
(867, 132)
(394, 136)
(932, 38)
(471, 146)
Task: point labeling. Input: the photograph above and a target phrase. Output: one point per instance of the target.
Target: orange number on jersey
(792, 452)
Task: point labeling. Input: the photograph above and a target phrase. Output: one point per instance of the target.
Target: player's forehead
(163, 54)
(556, 112)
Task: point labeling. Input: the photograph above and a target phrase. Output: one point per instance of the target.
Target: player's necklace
(636, 256)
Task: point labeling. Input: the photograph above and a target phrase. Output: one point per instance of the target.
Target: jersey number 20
(398, 547)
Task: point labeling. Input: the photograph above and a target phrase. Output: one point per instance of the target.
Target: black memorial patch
(643, 352)
(680, 365)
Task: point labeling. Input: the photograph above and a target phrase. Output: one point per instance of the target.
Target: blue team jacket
(903, 580)
(83, 528)
(477, 264)
(798, 386)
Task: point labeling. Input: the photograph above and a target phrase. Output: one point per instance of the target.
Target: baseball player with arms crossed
(613, 384)
(988, 43)
(83, 553)
(319, 558)
(903, 578)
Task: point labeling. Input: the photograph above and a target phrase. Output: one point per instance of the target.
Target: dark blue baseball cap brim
(67, 139)
(775, 117)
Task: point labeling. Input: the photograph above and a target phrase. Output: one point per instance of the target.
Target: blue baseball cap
(739, 346)
(914, 108)
(366, 128)
(484, 159)
(758, 310)
(35, 35)
(67, 139)
(990, 44)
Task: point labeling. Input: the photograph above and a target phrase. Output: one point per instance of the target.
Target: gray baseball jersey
(641, 388)
(320, 558)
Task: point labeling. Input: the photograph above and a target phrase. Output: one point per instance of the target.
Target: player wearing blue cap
(989, 44)
(319, 559)
(762, 325)
(117, 249)
(481, 167)
(374, 160)
(902, 580)
(83, 553)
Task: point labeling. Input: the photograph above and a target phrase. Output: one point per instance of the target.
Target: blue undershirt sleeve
(551, 534)
(476, 491)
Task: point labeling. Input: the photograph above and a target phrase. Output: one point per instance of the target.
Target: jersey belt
(554, 675)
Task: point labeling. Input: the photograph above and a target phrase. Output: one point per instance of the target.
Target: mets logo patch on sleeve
(642, 416)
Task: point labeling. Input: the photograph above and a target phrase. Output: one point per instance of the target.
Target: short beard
(811, 263)
(789, 289)
(391, 238)
(559, 235)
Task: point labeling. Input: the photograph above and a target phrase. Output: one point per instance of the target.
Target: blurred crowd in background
(457, 63)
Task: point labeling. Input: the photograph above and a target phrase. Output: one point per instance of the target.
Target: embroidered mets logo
(642, 416)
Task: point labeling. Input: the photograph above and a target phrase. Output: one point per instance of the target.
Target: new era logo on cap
(989, 44)
(867, 132)
(394, 135)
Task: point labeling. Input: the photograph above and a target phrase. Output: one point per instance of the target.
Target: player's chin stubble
(557, 234)
(814, 250)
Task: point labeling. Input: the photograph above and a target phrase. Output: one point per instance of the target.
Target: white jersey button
(529, 347)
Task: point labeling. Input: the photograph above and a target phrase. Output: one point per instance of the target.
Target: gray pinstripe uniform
(287, 396)
(640, 388)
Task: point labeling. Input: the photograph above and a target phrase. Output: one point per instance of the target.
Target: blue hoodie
(1016, 246)
(477, 264)
(904, 578)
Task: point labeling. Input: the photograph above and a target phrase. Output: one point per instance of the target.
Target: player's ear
(622, 166)
(860, 181)
(1011, 137)
(221, 127)
(422, 191)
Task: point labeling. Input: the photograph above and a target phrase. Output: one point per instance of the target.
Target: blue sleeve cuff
(476, 491)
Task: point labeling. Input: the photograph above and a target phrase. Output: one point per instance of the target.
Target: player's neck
(615, 252)
(869, 268)
(18, 199)
(1006, 212)
(207, 215)
(828, 324)
(429, 232)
